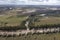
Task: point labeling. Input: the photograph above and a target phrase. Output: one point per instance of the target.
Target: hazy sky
(30, 2)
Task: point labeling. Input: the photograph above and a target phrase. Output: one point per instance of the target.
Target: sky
(30, 2)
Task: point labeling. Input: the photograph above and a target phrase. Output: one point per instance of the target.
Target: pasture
(11, 20)
(54, 36)
(47, 20)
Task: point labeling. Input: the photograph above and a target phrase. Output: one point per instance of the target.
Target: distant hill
(29, 9)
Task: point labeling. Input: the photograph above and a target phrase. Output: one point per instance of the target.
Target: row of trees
(3, 26)
(44, 26)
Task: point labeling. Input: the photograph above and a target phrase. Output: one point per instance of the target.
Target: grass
(12, 20)
(54, 36)
(17, 20)
(49, 20)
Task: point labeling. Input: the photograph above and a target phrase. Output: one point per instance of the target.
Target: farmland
(54, 36)
(17, 20)
(47, 20)
(12, 20)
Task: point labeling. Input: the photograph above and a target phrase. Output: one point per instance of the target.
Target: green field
(48, 21)
(54, 36)
(17, 20)
(11, 20)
